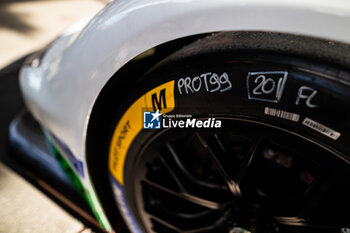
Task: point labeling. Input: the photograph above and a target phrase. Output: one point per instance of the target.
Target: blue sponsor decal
(123, 206)
(77, 164)
(152, 120)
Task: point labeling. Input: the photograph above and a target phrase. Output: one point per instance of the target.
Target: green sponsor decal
(73, 176)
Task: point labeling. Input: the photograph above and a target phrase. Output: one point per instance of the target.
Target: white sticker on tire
(281, 114)
(321, 128)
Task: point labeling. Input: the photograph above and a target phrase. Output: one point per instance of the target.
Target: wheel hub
(249, 218)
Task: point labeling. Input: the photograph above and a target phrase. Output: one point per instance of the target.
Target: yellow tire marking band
(131, 123)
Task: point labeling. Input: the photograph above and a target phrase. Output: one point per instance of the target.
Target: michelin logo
(152, 120)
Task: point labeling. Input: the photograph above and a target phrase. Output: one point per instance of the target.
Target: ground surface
(24, 27)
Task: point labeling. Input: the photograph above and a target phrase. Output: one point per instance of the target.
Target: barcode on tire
(281, 114)
(321, 128)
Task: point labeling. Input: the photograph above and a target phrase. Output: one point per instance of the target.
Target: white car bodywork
(60, 92)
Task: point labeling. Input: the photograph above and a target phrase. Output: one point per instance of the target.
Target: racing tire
(263, 143)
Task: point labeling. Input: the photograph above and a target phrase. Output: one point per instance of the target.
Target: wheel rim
(245, 177)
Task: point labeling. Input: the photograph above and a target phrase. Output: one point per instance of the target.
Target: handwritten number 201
(266, 86)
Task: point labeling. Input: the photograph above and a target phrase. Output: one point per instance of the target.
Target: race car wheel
(250, 139)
